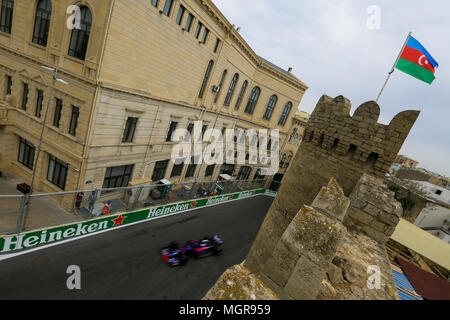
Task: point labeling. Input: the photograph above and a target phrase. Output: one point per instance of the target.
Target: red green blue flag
(417, 62)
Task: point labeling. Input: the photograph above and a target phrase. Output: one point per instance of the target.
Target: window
(254, 139)
(80, 37)
(74, 120)
(42, 22)
(216, 46)
(25, 96)
(258, 176)
(177, 168)
(189, 129)
(241, 95)
(180, 14)
(230, 92)
(189, 22)
(269, 144)
(224, 74)
(285, 113)
(167, 7)
(253, 100)
(227, 169)
(351, 151)
(57, 172)
(154, 3)
(205, 79)
(209, 170)
(199, 28)
(270, 106)
(244, 173)
(172, 128)
(223, 133)
(6, 15)
(191, 168)
(8, 85)
(117, 177)
(205, 35)
(39, 99)
(58, 110)
(130, 128)
(372, 159)
(160, 170)
(26, 153)
(204, 127)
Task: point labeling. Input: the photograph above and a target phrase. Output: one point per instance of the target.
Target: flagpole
(393, 67)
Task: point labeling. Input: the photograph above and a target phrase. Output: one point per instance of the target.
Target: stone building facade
(294, 139)
(136, 71)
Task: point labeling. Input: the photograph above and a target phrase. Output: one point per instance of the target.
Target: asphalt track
(125, 263)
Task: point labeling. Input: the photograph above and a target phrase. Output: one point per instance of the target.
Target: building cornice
(89, 83)
(245, 47)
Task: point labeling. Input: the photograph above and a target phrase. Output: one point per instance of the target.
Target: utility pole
(24, 212)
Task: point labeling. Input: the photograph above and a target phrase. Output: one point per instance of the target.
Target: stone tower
(335, 145)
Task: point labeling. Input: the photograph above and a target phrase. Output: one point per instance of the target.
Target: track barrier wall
(33, 239)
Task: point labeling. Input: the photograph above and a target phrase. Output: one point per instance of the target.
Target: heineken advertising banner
(32, 239)
(270, 193)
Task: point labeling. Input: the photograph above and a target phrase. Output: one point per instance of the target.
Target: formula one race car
(175, 256)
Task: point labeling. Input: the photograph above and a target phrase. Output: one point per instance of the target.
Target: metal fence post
(24, 200)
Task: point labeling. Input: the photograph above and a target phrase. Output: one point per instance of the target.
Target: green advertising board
(28, 240)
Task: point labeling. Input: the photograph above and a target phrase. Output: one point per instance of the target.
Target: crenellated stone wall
(373, 209)
(335, 145)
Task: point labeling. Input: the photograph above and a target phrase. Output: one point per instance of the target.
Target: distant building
(291, 145)
(435, 219)
(406, 162)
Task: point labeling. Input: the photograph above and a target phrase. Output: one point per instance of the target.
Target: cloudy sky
(331, 48)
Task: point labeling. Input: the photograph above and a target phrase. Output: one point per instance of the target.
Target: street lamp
(55, 79)
(28, 198)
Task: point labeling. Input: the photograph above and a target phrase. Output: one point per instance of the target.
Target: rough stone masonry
(335, 145)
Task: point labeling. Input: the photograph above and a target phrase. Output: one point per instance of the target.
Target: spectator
(92, 199)
(80, 196)
(107, 208)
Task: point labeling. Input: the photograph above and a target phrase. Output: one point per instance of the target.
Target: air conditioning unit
(215, 88)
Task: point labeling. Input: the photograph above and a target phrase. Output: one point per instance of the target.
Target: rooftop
(422, 242)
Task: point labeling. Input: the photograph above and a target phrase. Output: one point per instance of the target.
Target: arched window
(288, 160)
(42, 22)
(283, 160)
(292, 139)
(80, 37)
(224, 74)
(205, 79)
(285, 114)
(253, 100)
(230, 92)
(6, 15)
(241, 95)
(270, 106)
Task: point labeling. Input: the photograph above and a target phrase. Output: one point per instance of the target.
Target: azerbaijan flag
(417, 62)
